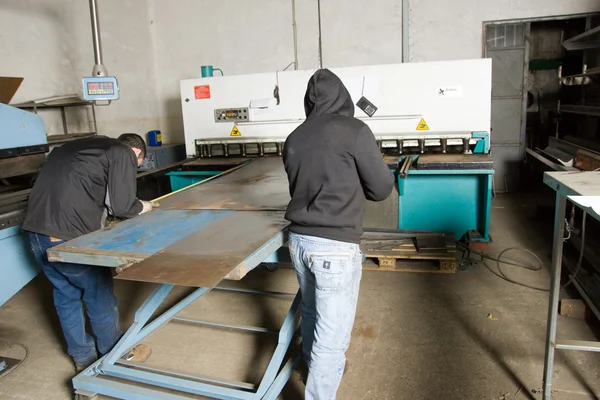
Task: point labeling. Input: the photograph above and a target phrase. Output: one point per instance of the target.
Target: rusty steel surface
(240, 240)
(261, 185)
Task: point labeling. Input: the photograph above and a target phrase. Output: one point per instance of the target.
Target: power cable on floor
(499, 262)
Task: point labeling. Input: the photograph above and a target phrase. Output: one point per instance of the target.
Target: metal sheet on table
(135, 239)
(205, 257)
(260, 185)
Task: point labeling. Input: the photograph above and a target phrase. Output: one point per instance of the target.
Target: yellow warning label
(422, 125)
(235, 131)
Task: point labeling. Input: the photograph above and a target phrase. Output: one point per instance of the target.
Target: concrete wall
(152, 44)
(247, 37)
(450, 30)
(49, 43)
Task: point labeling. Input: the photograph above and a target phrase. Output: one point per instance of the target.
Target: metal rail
(96, 33)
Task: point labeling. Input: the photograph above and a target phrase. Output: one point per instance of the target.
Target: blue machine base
(18, 265)
(454, 201)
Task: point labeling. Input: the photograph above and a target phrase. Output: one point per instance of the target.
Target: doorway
(527, 56)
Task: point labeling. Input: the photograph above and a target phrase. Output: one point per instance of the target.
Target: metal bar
(549, 163)
(228, 326)
(557, 249)
(64, 120)
(119, 390)
(279, 382)
(96, 33)
(285, 338)
(94, 117)
(523, 136)
(167, 316)
(295, 34)
(320, 41)
(142, 315)
(593, 111)
(578, 345)
(173, 383)
(239, 385)
(405, 32)
(252, 291)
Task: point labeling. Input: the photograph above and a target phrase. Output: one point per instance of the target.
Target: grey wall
(49, 43)
(151, 44)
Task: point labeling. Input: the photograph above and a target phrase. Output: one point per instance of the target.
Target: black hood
(327, 95)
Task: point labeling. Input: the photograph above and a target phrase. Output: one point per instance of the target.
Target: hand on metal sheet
(146, 207)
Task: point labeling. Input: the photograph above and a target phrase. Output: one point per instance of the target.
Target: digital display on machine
(231, 113)
(101, 88)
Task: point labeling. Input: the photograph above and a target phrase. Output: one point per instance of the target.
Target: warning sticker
(202, 92)
(235, 131)
(422, 126)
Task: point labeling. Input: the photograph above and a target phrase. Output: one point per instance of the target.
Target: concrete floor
(469, 335)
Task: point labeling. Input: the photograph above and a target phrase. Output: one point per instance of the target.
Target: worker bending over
(333, 164)
(82, 183)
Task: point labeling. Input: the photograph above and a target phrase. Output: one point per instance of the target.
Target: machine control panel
(100, 88)
(236, 114)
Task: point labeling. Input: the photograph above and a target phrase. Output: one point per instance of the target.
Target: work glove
(146, 206)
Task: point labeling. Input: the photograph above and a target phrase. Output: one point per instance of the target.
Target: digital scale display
(100, 88)
(104, 88)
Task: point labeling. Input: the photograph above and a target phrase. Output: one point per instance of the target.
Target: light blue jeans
(329, 275)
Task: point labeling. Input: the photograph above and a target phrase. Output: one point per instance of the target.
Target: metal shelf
(593, 111)
(592, 75)
(587, 40)
(59, 139)
(61, 102)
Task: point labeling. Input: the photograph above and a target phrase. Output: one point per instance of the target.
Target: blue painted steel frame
(89, 381)
(448, 200)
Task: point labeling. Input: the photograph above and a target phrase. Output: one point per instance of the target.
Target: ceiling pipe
(99, 69)
(405, 57)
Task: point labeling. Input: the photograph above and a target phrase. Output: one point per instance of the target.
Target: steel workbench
(576, 187)
(198, 237)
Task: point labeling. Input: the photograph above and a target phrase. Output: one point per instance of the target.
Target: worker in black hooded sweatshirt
(333, 165)
(79, 186)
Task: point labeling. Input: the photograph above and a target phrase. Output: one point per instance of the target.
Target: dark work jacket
(80, 184)
(333, 165)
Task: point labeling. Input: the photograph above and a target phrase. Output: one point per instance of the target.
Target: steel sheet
(240, 240)
(261, 185)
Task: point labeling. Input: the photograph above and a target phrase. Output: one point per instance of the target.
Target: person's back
(77, 183)
(80, 183)
(333, 165)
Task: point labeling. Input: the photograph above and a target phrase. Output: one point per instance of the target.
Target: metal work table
(576, 187)
(186, 246)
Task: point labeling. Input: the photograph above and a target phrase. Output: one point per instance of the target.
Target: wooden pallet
(410, 251)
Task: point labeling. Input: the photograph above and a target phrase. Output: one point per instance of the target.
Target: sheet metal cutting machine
(432, 118)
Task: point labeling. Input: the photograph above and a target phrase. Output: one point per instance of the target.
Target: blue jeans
(74, 283)
(329, 275)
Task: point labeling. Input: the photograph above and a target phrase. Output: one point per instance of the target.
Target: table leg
(557, 250)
